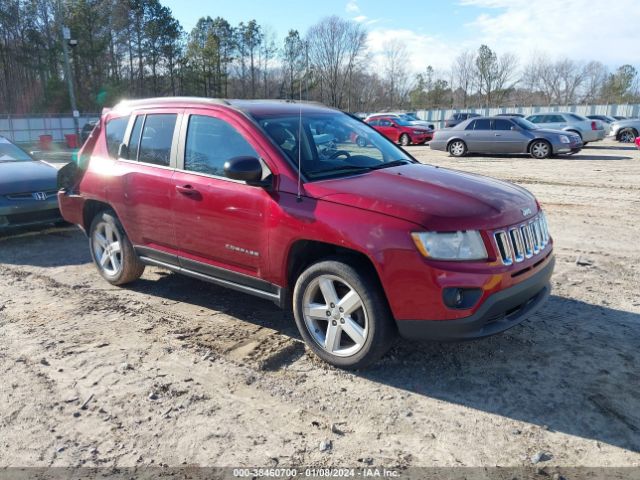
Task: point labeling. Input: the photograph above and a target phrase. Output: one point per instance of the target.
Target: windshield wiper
(347, 168)
(394, 163)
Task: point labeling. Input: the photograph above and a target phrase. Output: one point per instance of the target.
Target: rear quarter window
(114, 134)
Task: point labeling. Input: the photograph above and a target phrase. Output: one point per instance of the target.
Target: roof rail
(143, 102)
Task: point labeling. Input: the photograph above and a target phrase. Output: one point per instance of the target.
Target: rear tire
(112, 252)
(405, 140)
(540, 149)
(457, 148)
(342, 314)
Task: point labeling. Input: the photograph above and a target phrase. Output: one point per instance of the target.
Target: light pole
(67, 41)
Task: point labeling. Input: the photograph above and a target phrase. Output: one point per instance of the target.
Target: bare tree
(463, 74)
(334, 48)
(595, 76)
(395, 70)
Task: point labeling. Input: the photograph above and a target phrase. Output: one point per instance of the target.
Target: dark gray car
(498, 135)
(28, 189)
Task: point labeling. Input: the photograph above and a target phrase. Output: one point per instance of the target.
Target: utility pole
(66, 42)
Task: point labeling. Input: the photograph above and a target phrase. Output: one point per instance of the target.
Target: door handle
(186, 189)
(498, 134)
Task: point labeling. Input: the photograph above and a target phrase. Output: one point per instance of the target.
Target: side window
(472, 125)
(156, 140)
(534, 119)
(115, 134)
(385, 123)
(374, 123)
(210, 143)
(483, 124)
(556, 119)
(499, 124)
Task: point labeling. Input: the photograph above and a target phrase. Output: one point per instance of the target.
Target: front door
(508, 137)
(221, 224)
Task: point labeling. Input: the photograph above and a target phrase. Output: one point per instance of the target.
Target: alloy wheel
(627, 136)
(457, 148)
(335, 316)
(540, 149)
(107, 248)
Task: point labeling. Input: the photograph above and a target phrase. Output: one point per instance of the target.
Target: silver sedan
(498, 135)
(589, 130)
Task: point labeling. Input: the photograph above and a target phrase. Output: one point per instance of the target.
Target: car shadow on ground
(610, 147)
(44, 246)
(577, 156)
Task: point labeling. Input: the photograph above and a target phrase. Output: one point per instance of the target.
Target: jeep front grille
(519, 242)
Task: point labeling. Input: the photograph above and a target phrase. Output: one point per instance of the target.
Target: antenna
(299, 197)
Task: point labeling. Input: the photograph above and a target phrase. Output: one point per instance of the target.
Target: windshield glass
(330, 144)
(12, 153)
(526, 124)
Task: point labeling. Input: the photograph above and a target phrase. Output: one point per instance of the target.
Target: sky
(435, 31)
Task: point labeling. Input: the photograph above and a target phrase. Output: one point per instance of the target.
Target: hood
(436, 198)
(28, 176)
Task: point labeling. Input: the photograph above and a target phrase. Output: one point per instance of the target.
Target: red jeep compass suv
(361, 242)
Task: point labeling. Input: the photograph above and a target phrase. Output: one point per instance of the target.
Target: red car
(400, 131)
(638, 142)
(361, 243)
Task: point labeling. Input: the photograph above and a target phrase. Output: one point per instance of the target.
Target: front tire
(627, 135)
(342, 314)
(111, 250)
(457, 148)
(540, 149)
(405, 140)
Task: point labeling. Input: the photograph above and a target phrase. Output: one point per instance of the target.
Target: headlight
(450, 245)
(564, 139)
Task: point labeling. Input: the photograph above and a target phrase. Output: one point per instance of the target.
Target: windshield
(330, 144)
(12, 153)
(526, 124)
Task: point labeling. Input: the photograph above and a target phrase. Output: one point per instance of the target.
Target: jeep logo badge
(525, 212)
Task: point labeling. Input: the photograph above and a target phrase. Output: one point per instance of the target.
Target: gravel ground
(172, 371)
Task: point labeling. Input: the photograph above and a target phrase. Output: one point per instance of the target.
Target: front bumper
(21, 213)
(499, 312)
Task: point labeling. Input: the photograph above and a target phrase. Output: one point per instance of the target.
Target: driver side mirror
(248, 169)
(123, 151)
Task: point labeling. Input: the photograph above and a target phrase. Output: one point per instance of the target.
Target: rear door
(221, 224)
(507, 137)
(143, 191)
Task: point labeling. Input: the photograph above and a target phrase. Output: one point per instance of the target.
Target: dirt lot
(172, 371)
